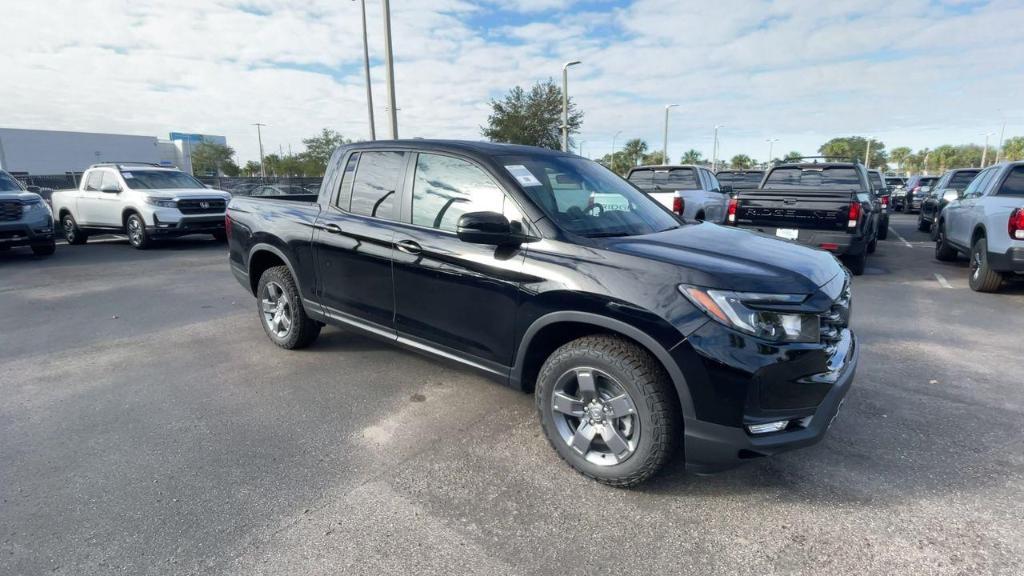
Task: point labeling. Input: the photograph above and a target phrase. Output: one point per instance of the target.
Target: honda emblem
(204, 204)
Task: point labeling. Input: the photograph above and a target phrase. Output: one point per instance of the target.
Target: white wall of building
(56, 152)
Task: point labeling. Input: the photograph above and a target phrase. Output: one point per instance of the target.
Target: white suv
(144, 201)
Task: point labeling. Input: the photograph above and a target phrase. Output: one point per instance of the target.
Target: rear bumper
(840, 243)
(22, 233)
(1010, 261)
(712, 447)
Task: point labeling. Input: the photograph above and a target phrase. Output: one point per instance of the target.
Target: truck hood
(714, 256)
(187, 193)
(19, 195)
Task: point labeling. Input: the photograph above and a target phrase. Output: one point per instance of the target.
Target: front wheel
(281, 312)
(609, 409)
(72, 233)
(944, 252)
(983, 277)
(138, 237)
(922, 224)
(857, 263)
(44, 249)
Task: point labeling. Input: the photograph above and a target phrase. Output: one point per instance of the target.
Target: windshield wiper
(607, 234)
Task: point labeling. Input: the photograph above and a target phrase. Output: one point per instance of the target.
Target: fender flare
(613, 325)
(265, 247)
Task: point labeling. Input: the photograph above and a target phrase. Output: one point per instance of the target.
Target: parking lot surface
(147, 426)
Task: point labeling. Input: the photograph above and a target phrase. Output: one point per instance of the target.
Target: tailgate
(663, 198)
(796, 208)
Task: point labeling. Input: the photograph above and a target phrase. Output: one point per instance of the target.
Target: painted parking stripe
(942, 281)
(902, 239)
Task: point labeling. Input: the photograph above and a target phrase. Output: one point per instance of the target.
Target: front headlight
(753, 313)
(39, 207)
(162, 202)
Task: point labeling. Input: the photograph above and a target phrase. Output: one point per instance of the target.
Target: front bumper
(27, 233)
(1010, 261)
(839, 243)
(804, 384)
(205, 224)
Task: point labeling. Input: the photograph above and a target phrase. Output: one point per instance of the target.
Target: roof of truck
(464, 146)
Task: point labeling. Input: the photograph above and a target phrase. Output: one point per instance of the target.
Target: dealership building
(52, 152)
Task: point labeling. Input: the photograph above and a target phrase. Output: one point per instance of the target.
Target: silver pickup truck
(986, 222)
(693, 192)
(25, 218)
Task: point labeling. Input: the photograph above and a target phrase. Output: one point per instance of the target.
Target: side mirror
(726, 188)
(110, 188)
(926, 189)
(950, 195)
(487, 228)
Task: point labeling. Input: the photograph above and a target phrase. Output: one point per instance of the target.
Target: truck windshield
(667, 179)
(832, 178)
(159, 179)
(8, 183)
(584, 198)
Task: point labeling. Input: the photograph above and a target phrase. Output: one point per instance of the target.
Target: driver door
(108, 205)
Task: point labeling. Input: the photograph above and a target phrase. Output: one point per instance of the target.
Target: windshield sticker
(523, 175)
(127, 175)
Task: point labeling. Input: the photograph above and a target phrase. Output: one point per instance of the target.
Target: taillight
(677, 205)
(1016, 225)
(854, 215)
(885, 201)
(732, 211)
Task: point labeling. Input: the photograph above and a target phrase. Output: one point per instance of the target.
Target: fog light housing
(768, 427)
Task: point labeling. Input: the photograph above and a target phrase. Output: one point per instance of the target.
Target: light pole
(771, 144)
(259, 136)
(580, 149)
(984, 152)
(664, 142)
(867, 155)
(714, 155)
(999, 150)
(366, 68)
(612, 161)
(389, 70)
(565, 103)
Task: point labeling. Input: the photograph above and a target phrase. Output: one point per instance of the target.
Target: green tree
(855, 147)
(899, 155)
(692, 156)
(318, 152)
(532, 118)
(741, 161)
(617, 163)
(944, 157)
(251, 168)
(634, 150)
(1013, 149)
(213, 159)
(654, 158)
(794, 155)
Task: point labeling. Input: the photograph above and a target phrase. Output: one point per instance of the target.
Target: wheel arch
(978, 232)
(126, 212)
(552, 330)
(263, 256)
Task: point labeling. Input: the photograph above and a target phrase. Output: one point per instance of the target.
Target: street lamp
(771, 143)
(664, 143)
(259, 136)
(366, 68)
(389, 70)
(999, 150)
(580, 148)
(612, 161)
(984, 152)
(565, 103)
(714, 155)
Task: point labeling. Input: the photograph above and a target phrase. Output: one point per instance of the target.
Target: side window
(1014, 183)
(344, 197)
(445, 188)
(93, 181)
(376, 184)
(715, 185)
(110, 181)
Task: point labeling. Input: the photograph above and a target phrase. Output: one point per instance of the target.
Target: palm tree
(899, 155)
(635, 150)
(692, 157)
(794, 155)
(741, 161)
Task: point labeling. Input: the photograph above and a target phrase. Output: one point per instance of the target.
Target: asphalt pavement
(147, 426)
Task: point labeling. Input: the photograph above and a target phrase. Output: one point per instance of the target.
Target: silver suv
(986, 221)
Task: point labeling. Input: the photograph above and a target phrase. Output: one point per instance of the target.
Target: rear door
(353, 240)
(452, 296)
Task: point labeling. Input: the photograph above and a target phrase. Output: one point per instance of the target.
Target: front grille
(213, 206)
(10, 211)
(837, 318)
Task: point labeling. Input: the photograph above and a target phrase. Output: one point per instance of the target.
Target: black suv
(638, 334)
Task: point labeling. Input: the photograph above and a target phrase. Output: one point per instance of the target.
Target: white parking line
(942, 281)
(902, 239)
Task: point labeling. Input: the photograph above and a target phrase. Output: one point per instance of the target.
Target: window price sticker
(524, 176)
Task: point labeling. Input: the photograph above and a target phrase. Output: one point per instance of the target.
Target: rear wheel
(857, 263)
(922, 224)
(883, 228)
(72, 233)
(872, 246)
(983, 277)
(138, 237)
(281, 312)
(943, 250)
(609, 409)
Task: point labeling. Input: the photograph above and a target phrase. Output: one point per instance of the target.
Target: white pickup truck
(144, 201)
(693, 192)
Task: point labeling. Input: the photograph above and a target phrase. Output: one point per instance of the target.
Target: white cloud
(912, 71)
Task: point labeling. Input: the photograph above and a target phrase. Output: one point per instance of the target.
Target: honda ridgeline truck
(638, 334)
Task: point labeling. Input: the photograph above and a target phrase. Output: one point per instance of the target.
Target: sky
(908, 72)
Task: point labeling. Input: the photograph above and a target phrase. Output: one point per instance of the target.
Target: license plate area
(787, 233)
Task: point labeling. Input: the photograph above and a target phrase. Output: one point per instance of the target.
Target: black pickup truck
(638, 333)
(827, 205)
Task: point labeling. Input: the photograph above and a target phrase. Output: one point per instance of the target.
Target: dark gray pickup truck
(827, 205)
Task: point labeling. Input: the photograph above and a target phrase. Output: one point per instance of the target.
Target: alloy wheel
(595, 416)
(976, 264)
(277, 312)
(69, 229)
(134, 231)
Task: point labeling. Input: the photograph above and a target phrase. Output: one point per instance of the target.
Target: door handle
(332, 228)
(409, 247)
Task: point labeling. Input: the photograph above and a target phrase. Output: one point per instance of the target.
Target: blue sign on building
(198, 138)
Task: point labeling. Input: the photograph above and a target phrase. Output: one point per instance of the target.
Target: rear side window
(1014, 183)
(840, 178)
(876, 181)
(376, 184)
(979, 183)
(93, 181)
(345, 191)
